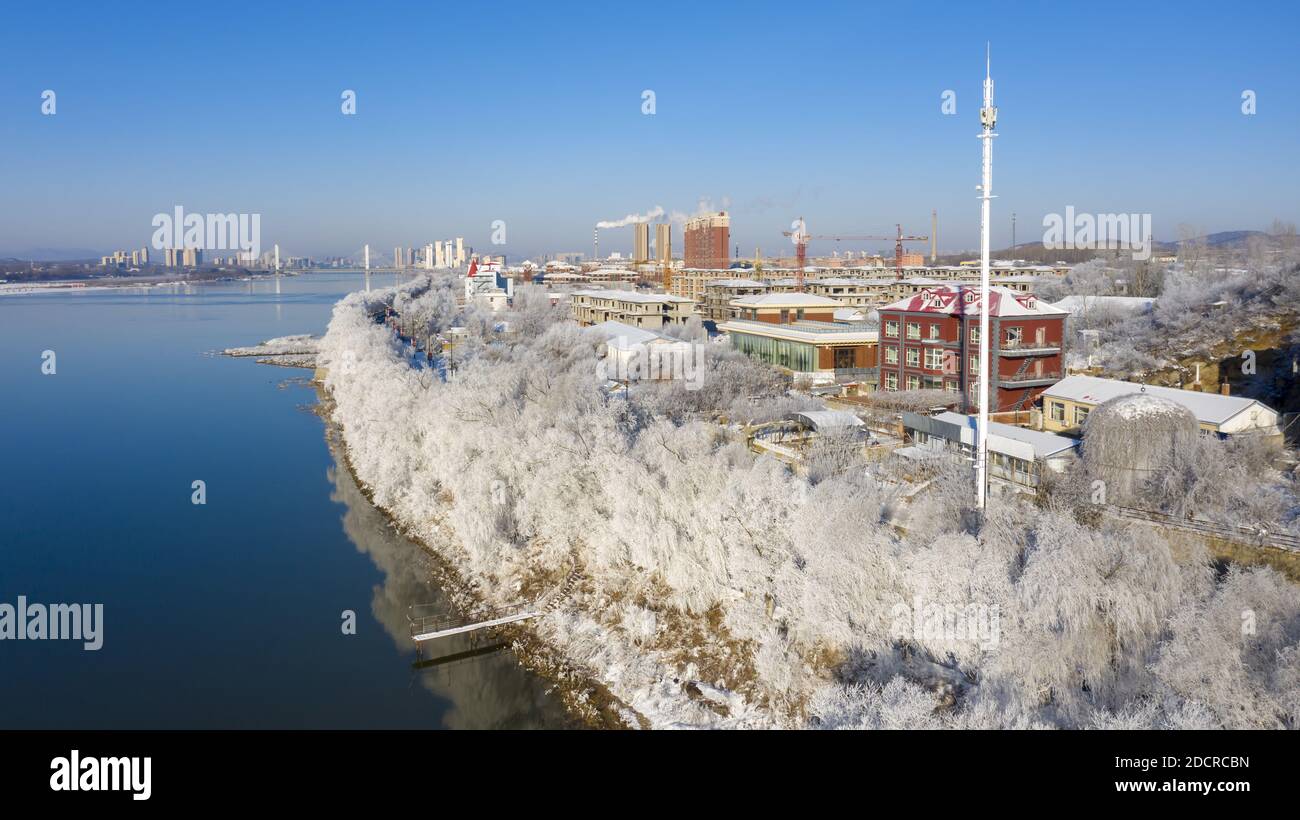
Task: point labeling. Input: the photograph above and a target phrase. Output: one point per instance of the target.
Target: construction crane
(801, 237)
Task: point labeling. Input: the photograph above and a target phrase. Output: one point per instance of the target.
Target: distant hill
(1035, 252)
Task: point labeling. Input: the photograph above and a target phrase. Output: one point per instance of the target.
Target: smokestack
(595, 242)
(934, 235)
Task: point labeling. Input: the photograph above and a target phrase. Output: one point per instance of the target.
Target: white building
(487, 285)
(1067, 403)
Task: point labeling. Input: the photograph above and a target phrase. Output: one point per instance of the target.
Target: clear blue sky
(471, 112)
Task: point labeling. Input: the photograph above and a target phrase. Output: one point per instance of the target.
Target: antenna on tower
(988, 118)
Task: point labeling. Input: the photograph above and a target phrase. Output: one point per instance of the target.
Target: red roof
(953, 300)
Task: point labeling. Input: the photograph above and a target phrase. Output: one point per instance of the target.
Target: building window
(1058, 411)
(913, 357)
(1014, 335)
(913, 330)
(1080, 413)
(891, 381)
(950, 385)
(934, 358)
(974, 365)
(891, 328)
(891, 355)
(913, 382)
(934, 331)
(798, 314)
(975, 335)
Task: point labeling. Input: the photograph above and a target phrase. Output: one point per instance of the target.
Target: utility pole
(988, 118)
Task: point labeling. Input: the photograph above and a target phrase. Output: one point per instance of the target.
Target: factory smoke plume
(653, 213)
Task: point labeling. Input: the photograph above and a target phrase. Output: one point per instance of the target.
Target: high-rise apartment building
(664, 243)
(707, 241)
(640, 243)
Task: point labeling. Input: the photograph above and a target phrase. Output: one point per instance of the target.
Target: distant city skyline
(534, 118)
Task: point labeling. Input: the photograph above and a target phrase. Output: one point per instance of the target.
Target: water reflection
(477, 675)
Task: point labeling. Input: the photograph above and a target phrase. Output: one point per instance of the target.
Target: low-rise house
(720, 293)
(1067, 403)
(850, 292)
(634, 353)
(824, 351)
(1016, 455)
(783, 308)
(644, 310)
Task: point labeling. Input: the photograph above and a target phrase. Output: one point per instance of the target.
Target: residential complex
(720, 293)
(643, 310)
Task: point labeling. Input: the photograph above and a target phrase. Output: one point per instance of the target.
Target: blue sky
(531, 114)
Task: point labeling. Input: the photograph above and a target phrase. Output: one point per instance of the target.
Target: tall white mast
(988, 118)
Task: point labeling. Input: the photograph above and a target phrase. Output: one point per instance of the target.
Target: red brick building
(708, 241)
(930, 340)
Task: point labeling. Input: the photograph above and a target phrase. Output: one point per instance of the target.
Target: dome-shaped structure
(1129, 439)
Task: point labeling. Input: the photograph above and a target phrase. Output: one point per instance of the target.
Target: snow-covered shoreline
(298, 350)
(362, 361)
(720, 590)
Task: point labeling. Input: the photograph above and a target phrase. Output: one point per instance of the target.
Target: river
(230, 613)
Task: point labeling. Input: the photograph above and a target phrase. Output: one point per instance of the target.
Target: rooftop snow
(624, 335)
(951, 299)
(1045, 445)
(821, 420)
(1078, 304)
(630, 296)
(786, 299)
(1209, 408)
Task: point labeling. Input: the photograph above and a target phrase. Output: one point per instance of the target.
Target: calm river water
(226, 614)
